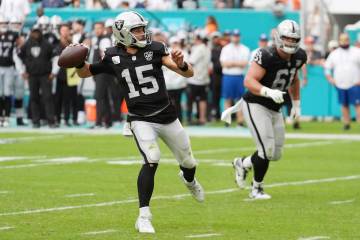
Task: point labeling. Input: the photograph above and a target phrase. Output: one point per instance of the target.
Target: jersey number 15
(142, 80)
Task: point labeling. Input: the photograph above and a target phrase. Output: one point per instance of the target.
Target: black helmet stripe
(293, 27)
(141, 18)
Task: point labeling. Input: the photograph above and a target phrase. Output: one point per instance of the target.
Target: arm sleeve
(102, 67)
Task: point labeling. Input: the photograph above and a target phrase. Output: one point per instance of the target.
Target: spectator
(40, 62)
(52, 3)
(198, 84)
(211, 25)
(262, 43)
(216, 75)
(258, 4)
(234, 58)
(159, 4)
(314, 56)
(345, 64)
(316, 23)
(15, 8)
(175, 83)
(78, 28)
(332, 45)
(188, 4)
(100, 42)
(95, 4)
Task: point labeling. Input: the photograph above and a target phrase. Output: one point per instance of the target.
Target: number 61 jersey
(142, 81)
(279, 74)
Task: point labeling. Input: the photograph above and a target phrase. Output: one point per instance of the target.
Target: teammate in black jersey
(272, 73)
(137, 62)
(8, 43)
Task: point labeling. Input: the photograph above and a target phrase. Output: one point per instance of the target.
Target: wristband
(296, 103)
(264, 91)
(81, 65)
(185, 67)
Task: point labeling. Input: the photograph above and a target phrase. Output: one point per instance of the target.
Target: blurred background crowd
(36, 92)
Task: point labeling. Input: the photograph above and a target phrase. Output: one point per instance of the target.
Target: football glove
(274, 94)
(295, 110)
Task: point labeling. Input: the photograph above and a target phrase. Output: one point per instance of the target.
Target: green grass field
(39, 201)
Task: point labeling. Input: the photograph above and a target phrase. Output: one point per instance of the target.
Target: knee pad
(277, 154)
(153, 153)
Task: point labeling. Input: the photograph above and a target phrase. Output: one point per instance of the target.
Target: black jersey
(141, 76)
(7, 45)
(279, 74)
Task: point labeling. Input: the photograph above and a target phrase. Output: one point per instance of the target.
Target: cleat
(143, 224)
(257, 193)
(240, 172)
(194, 187)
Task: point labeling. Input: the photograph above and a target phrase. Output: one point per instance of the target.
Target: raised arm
(175, 62)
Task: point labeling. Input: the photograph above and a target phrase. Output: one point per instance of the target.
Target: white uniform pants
(174, 136)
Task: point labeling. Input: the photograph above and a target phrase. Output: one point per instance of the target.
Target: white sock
(145, 211)
(256, 184)
(247, 162)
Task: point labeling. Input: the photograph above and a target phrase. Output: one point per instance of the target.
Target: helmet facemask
(287, 36)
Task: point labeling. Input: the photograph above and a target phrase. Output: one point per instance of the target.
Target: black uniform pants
(37, 83)
(216, 94)
(70, 100)
(102, 96)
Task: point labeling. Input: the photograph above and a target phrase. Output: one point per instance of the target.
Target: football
(72, 56)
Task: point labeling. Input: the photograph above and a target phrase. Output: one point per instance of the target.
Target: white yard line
(28, 139)
(192, 131)
(4, 192)
(100, 232)
(80, 195)
(205, 235)
(342, 202)
(314, 238)
(6, 228)
(59, 161)
(16, 158)
(178, 196)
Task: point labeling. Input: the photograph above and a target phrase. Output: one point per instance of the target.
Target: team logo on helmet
(119, 24)
(148, 55)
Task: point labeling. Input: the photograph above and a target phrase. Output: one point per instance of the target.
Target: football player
(136, 61)
(8, 42)
(18, 84)
(272, 73)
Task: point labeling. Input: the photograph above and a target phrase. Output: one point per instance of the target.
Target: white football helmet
(55, 22)
(4, 24)
(123, 25)
(15, 24)
(288, 29)
(44, 23)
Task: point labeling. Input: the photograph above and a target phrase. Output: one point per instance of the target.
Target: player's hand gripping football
(178, 57)
(274, 94)
(295, 110)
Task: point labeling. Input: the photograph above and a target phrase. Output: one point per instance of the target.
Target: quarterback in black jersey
(136, 62)
(272, 73)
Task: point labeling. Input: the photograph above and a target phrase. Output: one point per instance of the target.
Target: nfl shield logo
(116, 59)
(119, 24)
(148, 55)
(35, 51)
